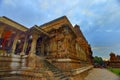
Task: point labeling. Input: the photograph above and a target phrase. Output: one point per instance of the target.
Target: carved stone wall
(80, 52)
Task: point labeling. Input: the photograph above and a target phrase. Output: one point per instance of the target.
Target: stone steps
(7, 72)
(34, 74)
(58, 74)
(12, 78)
(28, 74)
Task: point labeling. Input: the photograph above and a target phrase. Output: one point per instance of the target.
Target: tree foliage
(98, 60)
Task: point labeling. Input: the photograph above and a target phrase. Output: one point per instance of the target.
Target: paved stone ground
(101, 74)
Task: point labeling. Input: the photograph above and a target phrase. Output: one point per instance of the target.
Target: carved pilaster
(66, 46)
(1, 31)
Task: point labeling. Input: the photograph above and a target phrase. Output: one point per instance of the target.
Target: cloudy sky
(99, 20)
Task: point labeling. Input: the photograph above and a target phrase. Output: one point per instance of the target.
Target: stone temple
(114, 60)
(53, 51)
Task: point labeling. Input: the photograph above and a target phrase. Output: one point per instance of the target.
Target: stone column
(33, 44)
(14, 44)
(1, 31)
(23, 56)
(32, 57)
(24, 46)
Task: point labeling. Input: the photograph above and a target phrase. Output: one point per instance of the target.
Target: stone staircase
(39, 73)
(24, 74)
(58, 74)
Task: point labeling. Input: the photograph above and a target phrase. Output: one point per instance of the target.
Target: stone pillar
(14, 44)
(24, 46)
(32, 57)
(23, 56)
(1, 31)
(33, 44)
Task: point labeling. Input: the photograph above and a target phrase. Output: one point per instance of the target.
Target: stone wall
(10, 64)
(114, 64)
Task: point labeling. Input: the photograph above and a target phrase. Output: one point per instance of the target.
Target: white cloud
(108, 30)
(95, 48)
(100, 47)
(9, 2)
(99, 1)
(44, 5)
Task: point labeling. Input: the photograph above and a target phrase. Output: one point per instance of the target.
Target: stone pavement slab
(101, 74)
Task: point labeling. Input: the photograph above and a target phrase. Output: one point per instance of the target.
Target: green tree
(98, 60)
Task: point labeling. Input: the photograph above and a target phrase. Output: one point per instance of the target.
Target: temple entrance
(39, 47)
(42, 48)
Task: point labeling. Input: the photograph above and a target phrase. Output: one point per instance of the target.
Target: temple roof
(79, 32)
(52, 21)
(56, 23)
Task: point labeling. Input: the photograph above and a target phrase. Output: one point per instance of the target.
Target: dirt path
(101, 74)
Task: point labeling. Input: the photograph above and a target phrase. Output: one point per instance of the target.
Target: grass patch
(115, 70)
